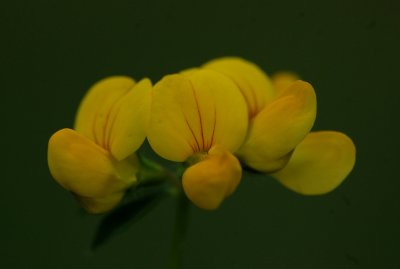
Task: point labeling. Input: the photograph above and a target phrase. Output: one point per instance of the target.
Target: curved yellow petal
(191, 113)
(93, 118)
(279, 127)
(189, 71)
(86, 169)
(100, 205)
(319, 163)
(131, 119)
(282, 80)
(211, 180)
(254, 84)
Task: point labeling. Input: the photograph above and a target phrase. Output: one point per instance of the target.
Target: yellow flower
(282, 112)
(200, 117)
(97, 160)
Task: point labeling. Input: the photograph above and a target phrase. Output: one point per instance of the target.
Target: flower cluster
(216, 119)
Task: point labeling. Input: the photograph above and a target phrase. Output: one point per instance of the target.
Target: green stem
(181, 221)
(152, 173)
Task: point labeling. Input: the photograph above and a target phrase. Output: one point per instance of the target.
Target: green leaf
(141, 201)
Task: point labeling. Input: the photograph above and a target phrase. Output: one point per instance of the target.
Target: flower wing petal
(319, 163)
(279, 127)
(93, 118)
(254, 84)
(192, 112)
(210, 181)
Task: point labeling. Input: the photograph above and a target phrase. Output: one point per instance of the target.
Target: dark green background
(52, 51)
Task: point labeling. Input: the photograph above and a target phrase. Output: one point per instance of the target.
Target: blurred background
(53, 51)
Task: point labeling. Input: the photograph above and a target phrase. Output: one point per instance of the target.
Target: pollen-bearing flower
(200, 118)
(281, 114)
(96, 161)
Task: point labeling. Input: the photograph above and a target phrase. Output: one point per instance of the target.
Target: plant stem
(181, 221)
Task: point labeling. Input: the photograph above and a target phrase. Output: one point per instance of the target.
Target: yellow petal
(189, 71)
(132, 116)
(254, 84)
(211, 180)
(100, 205)
(279, 127)
(319, 163)
(93, 118)
(193, 112)
(87, 170)
(282, 80)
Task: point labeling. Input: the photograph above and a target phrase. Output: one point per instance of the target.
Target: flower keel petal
(86, 169)
(211, 180)
(100, 205)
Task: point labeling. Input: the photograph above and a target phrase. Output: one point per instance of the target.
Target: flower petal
(282, 80)
(254, 84)
(211, 180)
(87, 170)
(93, 118)
(279, 127)
(132, 116)
(191, 113)
(319, 163)
(100, 205)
